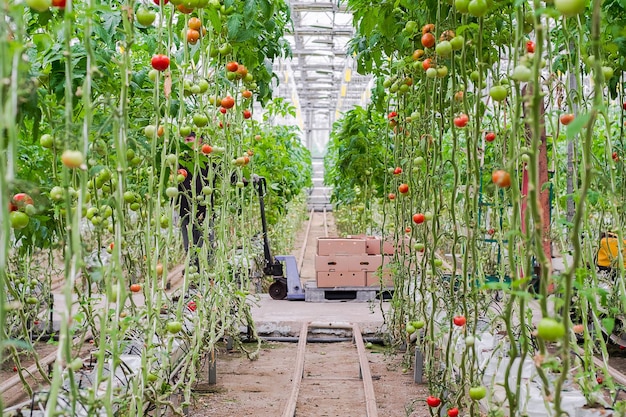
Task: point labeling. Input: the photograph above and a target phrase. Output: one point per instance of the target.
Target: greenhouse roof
(320, 79)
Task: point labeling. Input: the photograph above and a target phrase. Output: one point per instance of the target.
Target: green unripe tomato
(144, 16)
(462, 6)
(171, 192)
(46, 141)
(171, 159)
(550, 330)
(443, 48)
(607, 73)
(174, 326)
(570, 8)
(477, 8)
(39, 5)
(129, 197)
(457, 42)
(18, 219)
(477, 393)
(498, 92)
(522, 73)
(91, 213)
(204, 85)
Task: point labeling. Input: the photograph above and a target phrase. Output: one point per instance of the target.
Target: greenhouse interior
(271, 208)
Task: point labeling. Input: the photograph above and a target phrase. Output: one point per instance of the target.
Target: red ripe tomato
(160, 62)
(157, 2)
(428, 27)
(599, 380)
(183, 172)
(246, 94)
(490, 137)
(397, 171)
(242, 71)
(427, 63)
(624, 105)
(135, 288)
(232, 66)
(501, 178)
(403, 188)
(223, 110)
(13, 207)
(433, 401)
(530, 47)
(566, 118)
(418, 218)
(392, 115)
(228, 102)
(615, 156)
(247, 114)
(461, 120)
(459, 321)
(192, 36)
(184, 9)
(491, 231)
(428, 40)
(407, 229)
(453, 412)
(391, 196)
(59, 3)
(194, 23)
(22, 199)
(192, 306)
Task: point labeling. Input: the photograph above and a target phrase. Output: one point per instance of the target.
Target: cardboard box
(373, 246)
(341, 246)
(348, 262)
(330, 279)
(373, 280)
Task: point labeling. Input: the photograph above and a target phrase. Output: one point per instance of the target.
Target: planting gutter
(129, 368)
(492, 361)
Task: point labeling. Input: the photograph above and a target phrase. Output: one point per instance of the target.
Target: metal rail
(366, 375)
(305, 240)
(325, 223)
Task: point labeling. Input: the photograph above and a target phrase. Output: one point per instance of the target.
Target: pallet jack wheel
(278, 289)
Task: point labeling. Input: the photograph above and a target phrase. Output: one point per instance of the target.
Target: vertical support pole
(418, 366)
(544, 194)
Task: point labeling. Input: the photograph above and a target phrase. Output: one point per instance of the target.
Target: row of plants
(494, 135)
(123, 123)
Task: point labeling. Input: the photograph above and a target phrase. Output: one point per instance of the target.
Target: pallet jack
(283, 286)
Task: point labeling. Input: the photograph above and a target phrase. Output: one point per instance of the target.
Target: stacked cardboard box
(351, 262)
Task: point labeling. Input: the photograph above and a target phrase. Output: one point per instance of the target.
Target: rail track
(304, 378)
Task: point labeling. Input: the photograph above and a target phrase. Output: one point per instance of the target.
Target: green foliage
(356, 153)
(283, 160)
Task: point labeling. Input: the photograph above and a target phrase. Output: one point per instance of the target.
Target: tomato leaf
(609, 324)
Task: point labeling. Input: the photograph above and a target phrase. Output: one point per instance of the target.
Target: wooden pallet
(313, 294)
